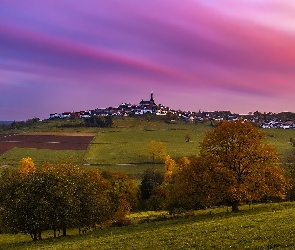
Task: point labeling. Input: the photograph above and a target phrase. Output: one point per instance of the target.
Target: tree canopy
(60, 196)
(243, 166)
(235, 165)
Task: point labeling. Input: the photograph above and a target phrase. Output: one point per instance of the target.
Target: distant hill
(6, 122)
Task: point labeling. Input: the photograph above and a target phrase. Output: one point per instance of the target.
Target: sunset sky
(72, 55)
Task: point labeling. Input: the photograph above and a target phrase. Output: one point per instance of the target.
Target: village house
(284, 120)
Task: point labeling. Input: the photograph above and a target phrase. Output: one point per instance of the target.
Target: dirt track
(45, 141)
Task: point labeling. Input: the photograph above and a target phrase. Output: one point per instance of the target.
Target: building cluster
(285, 120)
(124, 109)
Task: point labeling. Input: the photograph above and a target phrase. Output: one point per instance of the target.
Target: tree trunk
(235, 206)
(39, 235)
(64, 231)
(33, 236)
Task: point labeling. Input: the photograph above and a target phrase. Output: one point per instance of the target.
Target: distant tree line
(19, 124)
(92, 121)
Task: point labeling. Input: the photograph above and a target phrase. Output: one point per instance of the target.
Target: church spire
(152, 97)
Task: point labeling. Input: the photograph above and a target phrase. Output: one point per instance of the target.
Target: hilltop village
(285, 120)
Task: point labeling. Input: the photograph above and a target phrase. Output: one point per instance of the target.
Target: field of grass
(266, 226)
(124, 146)
(280, 138)
(14, 156)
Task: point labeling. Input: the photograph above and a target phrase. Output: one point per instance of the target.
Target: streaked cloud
(97, 53)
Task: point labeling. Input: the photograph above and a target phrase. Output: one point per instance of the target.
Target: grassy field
(266, 226)
(13, 157)
(124, 146)
(280, 138)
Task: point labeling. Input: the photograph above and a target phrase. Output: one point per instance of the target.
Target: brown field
(55, 141)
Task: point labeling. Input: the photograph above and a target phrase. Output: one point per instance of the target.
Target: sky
(73, 55)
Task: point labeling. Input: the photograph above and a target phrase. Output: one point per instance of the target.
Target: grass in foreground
(268, 226)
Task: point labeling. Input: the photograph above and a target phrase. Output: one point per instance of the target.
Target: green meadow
(264, 226)
(130, 145)
(13, 156)
(124, 147)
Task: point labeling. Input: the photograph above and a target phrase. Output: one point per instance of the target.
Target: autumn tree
(187, 185)
(26, 166)
(156, 151)
(169, 167)
(242, 165)
(61, 196)
(25, 200)
(122, 195)
(64, 179)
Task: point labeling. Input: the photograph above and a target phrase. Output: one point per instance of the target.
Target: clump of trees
(235, 166)
(61, 196)
(98, 121)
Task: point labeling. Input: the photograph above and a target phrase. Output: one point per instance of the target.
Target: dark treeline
(92, 121)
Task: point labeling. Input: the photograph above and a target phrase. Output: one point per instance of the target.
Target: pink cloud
(179, 47)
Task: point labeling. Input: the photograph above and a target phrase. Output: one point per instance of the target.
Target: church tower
(152, 98)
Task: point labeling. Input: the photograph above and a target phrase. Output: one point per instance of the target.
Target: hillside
(265, 226)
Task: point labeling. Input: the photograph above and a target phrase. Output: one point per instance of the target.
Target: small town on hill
(285, 120)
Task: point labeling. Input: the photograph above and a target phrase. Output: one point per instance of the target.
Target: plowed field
(56, 142)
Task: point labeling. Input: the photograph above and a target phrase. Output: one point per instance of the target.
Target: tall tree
(242, 165)
(24, 199)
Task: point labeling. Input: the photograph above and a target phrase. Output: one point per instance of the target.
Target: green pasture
(280, 138)
(266, 226)
(14, 156)
(124, 147)
(130, 146)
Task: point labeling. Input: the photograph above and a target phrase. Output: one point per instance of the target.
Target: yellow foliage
(183, 162)
(123, 209)
(27, 166)
(156, 150)
(169, 167)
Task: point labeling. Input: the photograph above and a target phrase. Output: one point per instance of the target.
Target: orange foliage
(169, 167)
(27, 166)
(243, 166)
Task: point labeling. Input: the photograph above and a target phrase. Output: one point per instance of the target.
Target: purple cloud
(101, 53)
